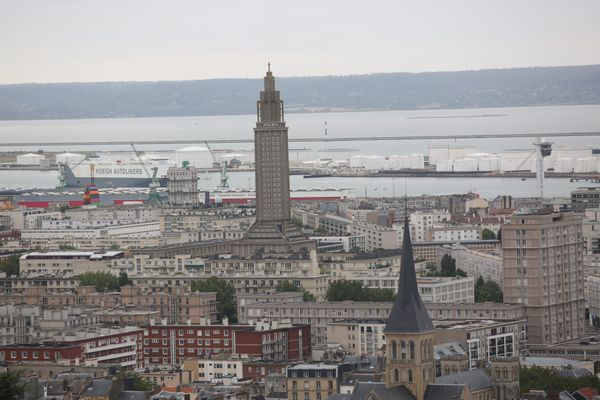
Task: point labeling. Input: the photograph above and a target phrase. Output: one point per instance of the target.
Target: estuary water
(340, 124)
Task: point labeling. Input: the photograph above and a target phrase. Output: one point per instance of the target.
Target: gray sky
(107, 40)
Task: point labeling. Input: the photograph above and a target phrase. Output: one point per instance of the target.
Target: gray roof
(132, 395)
(277, 395)
(99, 387)
(408, 313)
(574, 373)
(476, 379)
(363, 390)
(338, 396)
(444, 392)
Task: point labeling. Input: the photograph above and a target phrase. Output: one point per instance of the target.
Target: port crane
(224, 179)
(62, 174)
(153, 196)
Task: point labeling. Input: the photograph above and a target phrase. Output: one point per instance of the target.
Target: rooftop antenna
(269, 66)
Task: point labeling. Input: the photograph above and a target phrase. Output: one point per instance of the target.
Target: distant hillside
(393, 91)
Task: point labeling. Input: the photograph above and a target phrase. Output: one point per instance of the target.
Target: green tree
(487, 234)
(12, 387)
(488, 291)
(351, 290)
(66, 247)
(102, 281)
(142, 384)
(499, 237)
(287, 286)
(538, 378)
(10, 266)
(308, 296)
(124, 280)
(448, 266)
(226, 306)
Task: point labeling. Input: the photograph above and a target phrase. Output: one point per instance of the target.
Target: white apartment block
(376, 236)
(66, 263)
(475, 263)
(423, 222)
(447, 290)
(29, 218)
(124, 235)
(123, 213)
(454, 233)
(348, 243)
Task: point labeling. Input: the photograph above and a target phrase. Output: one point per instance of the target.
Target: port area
(430, 173)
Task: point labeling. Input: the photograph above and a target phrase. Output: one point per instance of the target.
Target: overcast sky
(114, 40)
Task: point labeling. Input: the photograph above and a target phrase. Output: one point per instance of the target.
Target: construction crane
(153, 196)
(224, 180)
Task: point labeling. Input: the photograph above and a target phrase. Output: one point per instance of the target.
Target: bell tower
(409, 331)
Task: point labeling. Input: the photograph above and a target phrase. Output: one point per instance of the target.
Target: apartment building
(172, 344)
(319, 314)
(454, 233)
(542, 256)
(69, 263)
(315, 381)
(475, 263)
(104, 346)
(376, 236)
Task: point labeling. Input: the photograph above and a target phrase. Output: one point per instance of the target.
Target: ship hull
(138, 180)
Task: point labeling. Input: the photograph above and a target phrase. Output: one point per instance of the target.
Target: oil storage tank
(197, 156)
(465, 165)
(564, 164)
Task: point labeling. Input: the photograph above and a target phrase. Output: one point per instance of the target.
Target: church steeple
(408, 313)
(409, 331)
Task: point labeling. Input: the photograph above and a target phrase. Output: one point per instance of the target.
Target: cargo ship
(44, 198)
(116, 174)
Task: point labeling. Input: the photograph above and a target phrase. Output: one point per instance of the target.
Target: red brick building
(171, 344)
(122, 347)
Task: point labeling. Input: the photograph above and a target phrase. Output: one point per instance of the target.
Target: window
(199, 342)
(403, 349)
(410, 375)
(411, 346)
(396, 376)
(394, 350)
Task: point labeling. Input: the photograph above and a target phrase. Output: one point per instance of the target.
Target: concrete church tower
(273, 231)
(409, 332)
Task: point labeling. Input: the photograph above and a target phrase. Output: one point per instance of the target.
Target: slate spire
(408, 313)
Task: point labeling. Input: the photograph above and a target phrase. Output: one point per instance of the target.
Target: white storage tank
(357, 161)
(517, 160)
(375, 162)
(69, 158)
(416, 161)
(399, 161)
(564, 164)
(444, 166)
(30, 159)
(197, 156)
(489, 164)
(586, 164)
(465, 165)
(437, 152)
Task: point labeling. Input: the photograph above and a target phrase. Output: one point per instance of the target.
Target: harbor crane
(224, 179)
(153, 196)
